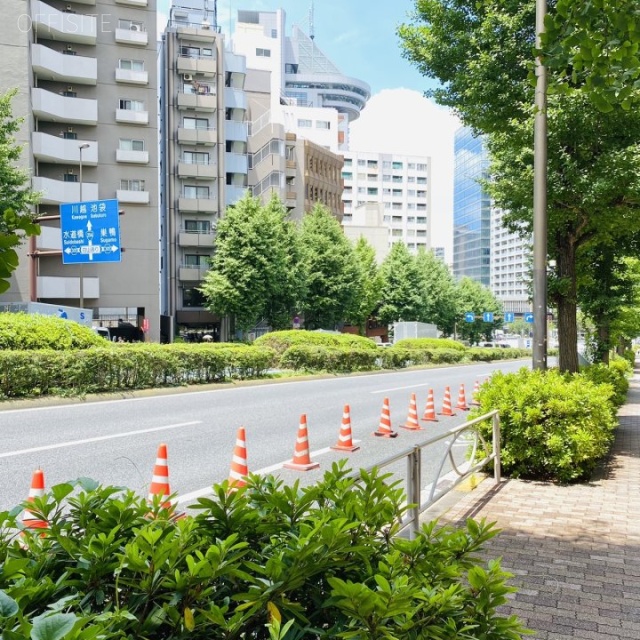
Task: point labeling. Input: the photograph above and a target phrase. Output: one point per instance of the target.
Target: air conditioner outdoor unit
(187, 77)
(135, 27)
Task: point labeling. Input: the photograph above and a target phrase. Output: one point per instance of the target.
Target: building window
(126, 144)
(131, 25)
(422, 180)
(70, 135)
(263, 53)
(397, 193)
(197, 226)
(372, 164)
(274, 33)
(131, 105)
(422, 194)
(197, 88)
(132, 185)
(70, 177)
(195, 157)
(421, 167)
(347, 175)
(131, 65)
(421, 220)
(323, 124)
(396, 165)
(305, 123)
(195, 123)
(193, 297)
(195, 260)
(372, 191)
(411, 165)
(193, 191)
(347, 162)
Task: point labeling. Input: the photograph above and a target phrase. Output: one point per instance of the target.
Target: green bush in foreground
(280, 341)
(553, 427)
(35, 331)
(266, 561)
(616, 374)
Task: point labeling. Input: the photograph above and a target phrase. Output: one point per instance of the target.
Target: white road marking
(73, 443)
(409, 386)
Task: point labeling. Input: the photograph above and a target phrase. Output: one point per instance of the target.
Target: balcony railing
(49, 64)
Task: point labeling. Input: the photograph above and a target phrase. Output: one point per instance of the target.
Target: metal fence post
(497, 469)
(413, 489)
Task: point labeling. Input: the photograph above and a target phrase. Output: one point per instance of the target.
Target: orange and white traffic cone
(462, 400)
(384, 428)
(301, 457)
(29, 519)
(160, 481)
(239, 470)
(474, 395)
(446, 403)
(412, 423)
(430, 409)
(345, 442)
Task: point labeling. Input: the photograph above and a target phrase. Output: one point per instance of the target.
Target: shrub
(615, 374)
(429, 343)
(280, 341)
(325, 358)
(24, 331)
(483, 354)
(319, 562)
(553, 427)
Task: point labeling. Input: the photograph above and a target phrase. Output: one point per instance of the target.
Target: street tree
(401, 298)
(367, 297)
(481, 51)
(330, 270)
(475, 298)
(438, 289)
(254, 268)
(16, 196)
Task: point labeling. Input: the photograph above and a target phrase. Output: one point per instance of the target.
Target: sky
(359, 37)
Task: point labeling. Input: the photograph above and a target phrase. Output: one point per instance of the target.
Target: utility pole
(540, 203)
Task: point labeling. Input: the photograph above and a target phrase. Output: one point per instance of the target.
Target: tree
(401, 298)
(331, 270)
(476, 298)
(370, 286)
(482, 53)
(253, 272)
(438, 290)
(16, 195)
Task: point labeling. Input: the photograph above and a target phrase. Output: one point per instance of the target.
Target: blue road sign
(469, 317)
(90, 232)
(509, 316)
(528, 317)
(487, 316)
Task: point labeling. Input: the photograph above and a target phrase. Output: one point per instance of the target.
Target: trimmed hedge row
(280, 341)
(126, 366)
(429, 343)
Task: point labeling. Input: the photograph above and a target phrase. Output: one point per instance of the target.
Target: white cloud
(405, 122)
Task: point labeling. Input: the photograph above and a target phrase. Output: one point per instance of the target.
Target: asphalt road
(115, 441)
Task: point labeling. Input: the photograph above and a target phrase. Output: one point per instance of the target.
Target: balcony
(232, 194)
(236, 163)
(51, 24)
(48, 148)
(129, 116)
(190, 239)
(59, 191)
(51, 65)
(236, 66)
(193, 273)
(50, 238)
(133, 37)
(132, 157)
(290, 167)
(193, 65)
(59, 287)
(127, 76)
(53, 107)
(234, 130)
(132, 3)
(202, 32)
(132, 197)
(197, 205)
(235, 98)
(207, 137)
(198, 102)
(198, 171)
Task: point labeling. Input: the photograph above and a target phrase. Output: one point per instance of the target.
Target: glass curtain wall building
(471, 209)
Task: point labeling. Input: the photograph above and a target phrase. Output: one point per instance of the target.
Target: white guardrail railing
(421, 492)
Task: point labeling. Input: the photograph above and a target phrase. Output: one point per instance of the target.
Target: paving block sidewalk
(574, 550)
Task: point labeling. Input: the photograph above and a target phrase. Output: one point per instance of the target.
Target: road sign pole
(80, 148)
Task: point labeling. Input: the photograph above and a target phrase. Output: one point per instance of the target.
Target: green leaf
(8, 606)
(52, 627)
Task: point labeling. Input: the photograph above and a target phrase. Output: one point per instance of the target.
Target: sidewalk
(574, 550)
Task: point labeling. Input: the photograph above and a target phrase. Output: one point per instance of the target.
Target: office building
(94, 119)
(401, 184)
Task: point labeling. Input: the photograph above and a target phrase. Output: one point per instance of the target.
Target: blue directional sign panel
(469, 317)
(509, 316)
(487, 316)
(528, 317)
(90, 232)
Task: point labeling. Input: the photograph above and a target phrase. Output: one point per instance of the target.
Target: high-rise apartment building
(401, 184)
(86, 75)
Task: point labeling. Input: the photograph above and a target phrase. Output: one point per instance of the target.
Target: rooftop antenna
(312, 34)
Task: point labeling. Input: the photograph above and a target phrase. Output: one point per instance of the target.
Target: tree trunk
(567, 310)
(604, 342)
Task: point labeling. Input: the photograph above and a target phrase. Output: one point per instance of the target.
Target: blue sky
(358, 36)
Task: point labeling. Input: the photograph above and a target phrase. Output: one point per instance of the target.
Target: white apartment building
(401, 184)
(85, 71)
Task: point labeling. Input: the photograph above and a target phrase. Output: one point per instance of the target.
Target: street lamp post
(80, 149)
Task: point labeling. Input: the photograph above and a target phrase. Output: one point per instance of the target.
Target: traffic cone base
(384, 428)
(412, 423)
(345, 442)
(430, 409)
(29, 519)
(301, 458)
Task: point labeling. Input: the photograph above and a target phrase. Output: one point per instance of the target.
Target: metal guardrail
(442, 485)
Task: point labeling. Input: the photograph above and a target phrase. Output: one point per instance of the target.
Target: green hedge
(429, 343)
(280, 341)
(553, 426)
(35, 331)
(484, 354)
(616, 374)
(126, 366)
(324, 358)
(267, 561)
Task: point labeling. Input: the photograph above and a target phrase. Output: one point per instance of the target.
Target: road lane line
(73, 443)
(409, 386)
